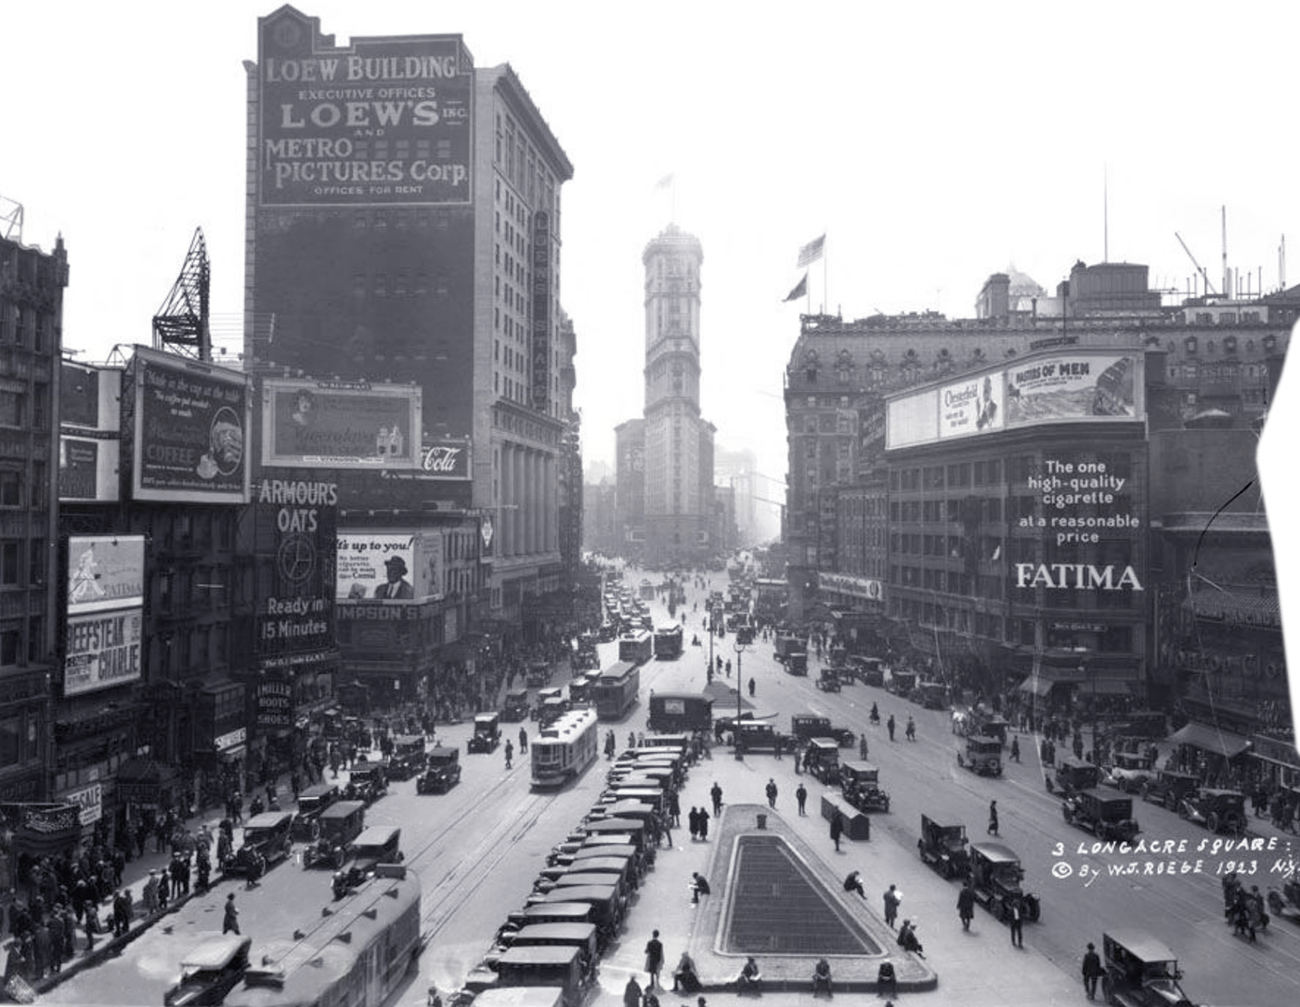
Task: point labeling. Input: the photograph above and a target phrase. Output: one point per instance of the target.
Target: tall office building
(675, 451)
(404, 225)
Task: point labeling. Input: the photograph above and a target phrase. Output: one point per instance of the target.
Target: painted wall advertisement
(102, 650)
(295, 521)
(1074, 387)
(541, 341)
(382, 121)
(971, 407)
(105, 572)
(88, 469)
(446, 458)
(389, 566)
(90, 397)
(308, 424)
(191, 424)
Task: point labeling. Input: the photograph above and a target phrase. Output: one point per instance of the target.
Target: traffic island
(775, 898)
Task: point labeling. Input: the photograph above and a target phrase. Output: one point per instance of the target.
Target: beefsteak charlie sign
(103, 650)
(191, 421)
(310, 424)
(105, 572)
(382, 121)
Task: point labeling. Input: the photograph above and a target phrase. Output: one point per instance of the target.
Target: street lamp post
(740, 679)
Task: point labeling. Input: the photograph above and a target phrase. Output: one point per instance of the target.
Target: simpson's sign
(191, 426)
(382, 121)
(105, 572)
(312, 424)
(102, 650)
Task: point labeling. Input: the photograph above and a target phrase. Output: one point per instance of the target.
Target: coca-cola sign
(446, 459)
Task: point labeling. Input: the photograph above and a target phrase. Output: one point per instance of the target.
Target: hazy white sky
(934, 143)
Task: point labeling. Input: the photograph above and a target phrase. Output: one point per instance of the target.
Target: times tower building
(668, 455)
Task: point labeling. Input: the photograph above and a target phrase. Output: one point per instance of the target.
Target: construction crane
(11, 220)
(181, 325)
(1205, 277)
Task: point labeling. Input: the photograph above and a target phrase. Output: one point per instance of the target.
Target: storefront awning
(1037, 685)
(1210, 739)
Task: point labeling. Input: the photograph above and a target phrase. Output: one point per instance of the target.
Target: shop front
(1215, 754)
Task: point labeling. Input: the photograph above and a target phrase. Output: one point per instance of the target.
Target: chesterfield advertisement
(308, 424)
(384, 121)
(191, 426)
(390, 566)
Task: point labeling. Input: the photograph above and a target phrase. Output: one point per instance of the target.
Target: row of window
(1115, 639)
(18, 409)
(25, 326)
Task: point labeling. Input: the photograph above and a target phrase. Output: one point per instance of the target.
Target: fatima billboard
(383, 121)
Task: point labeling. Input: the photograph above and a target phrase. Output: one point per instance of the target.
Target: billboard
(383, 121)
(971, 407)
(389, 566)
(190, 430)
(102, 650)
(90, 397)
(89, 469)
(446, 458)
(105, 572)
(295, 524)
(541, 343)
(342, 425)
(1074, 387)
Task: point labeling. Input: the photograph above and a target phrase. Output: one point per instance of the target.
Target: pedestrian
(853, 883)
(523, 740)
(966, 905)
(1016, 917)
(632, 993)
(674, 809)
(91, 923)
(716, 794)
(704, 825)
(654, 960)
(693, 821)
(1092, 971)
(890, 725)
(910, 732)
(230, 921)
(862, 747)
(837, 828)
(801, 797)
(771, 792)
(892, 899)
(510, 752)
(993, 818)
(1015, 748)
(751, 686)
(54, 925)
(699, 886)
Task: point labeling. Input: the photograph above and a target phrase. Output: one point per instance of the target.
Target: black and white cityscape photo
(578, 504)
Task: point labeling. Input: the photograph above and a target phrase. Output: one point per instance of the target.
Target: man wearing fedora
(398, 587)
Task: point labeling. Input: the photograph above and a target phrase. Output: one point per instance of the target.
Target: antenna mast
(181, 325)
(1205, 277)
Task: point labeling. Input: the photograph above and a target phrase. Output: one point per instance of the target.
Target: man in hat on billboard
(398, 586)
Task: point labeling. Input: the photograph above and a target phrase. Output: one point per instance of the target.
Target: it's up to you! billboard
(389, 566)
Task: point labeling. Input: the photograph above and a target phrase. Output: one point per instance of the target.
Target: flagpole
(825, 289)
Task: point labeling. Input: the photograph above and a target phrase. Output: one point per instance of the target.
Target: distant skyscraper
(674, 519)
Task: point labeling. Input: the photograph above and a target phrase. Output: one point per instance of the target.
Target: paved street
(478, 848)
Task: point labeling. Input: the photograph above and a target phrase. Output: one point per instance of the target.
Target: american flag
(811, 252)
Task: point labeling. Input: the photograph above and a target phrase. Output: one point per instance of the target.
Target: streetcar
(668, 642)
(564, 750)
(358, 953)
(616, 692)
(636, 646)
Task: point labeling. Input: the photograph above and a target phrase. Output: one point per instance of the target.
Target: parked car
(997, 879)
(944, 847)
(379, 844)
(983, 756)
(442, 772)
(1129, 771)
(407, 757)
(268, 838)
(1169, 787)
(487, 733)
(822, 758)
(1217, 810)
(804, 726)
(311, 802)
(931, 695)
(1073, 775)
(829, 680)
(868, 670)
(1140, 971)
(516, 706)
(367, 782)
(860, 785)
(210, 971)
(1107, 816)
(339, 825)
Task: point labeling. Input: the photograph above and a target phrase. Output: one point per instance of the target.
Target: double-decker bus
(668, 642)
(617, 690)
(636, 647)
(563, 751)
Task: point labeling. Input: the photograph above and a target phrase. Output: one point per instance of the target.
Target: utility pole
(740, 679)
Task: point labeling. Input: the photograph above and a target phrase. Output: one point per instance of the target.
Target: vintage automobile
(1107, 816)
(996, 878)
(1168, 787)
(1073, 775)
(860, 785)
(901, 683)
(311, 802)
(538, 674)
(804, 726)
(785, 645)
(829, 680)
(754, 736)
(984, 721)
(680, 711)
(1140, 971)
(268, 838)
(379, 844)
(487, 733)
(567, 967)
(1218, 810)
(796, 662)
(983, 755)
(868, 670)
(944, 847)
(931, 695)
(367, 782)
(441, 773)
(407, 757)
(1129, 771)
(821, 757)
(210, 971)
(516, 706)
(339, 825)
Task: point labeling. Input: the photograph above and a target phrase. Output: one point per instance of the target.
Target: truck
(787, 644)
(943, 845)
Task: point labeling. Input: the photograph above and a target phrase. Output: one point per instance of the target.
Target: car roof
(996, 853)
(271, 819)
(215, 952)
(342, 809)
(540, 954)
(442, 751)
(1141, 944)
(376, 835)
